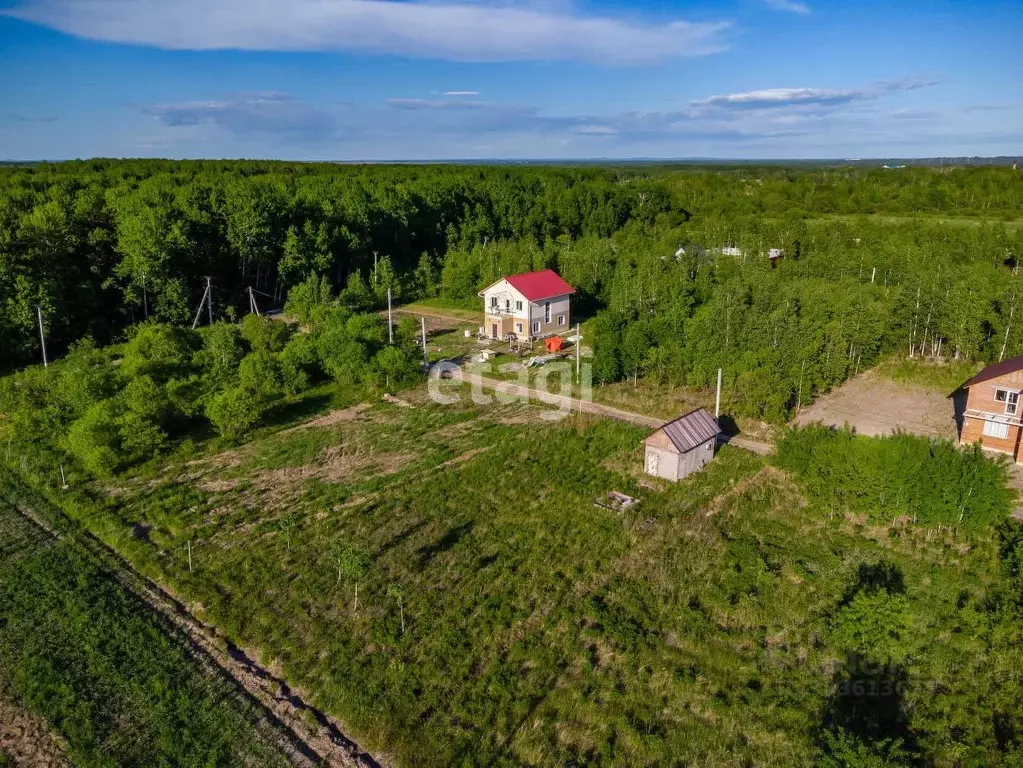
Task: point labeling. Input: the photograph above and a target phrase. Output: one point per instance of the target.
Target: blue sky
(445, 79)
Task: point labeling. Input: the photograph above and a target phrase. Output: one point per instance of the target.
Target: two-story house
(531, 305)
(993, 411)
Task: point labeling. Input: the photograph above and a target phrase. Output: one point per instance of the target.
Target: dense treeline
(102, 244)
(677, 303)
(674, 262)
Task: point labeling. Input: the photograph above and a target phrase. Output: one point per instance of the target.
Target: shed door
(493, 328)
(652, 461)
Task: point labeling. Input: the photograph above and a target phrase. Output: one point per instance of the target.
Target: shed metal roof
(691, 430)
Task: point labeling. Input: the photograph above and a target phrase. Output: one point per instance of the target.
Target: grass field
(503, 619)
(1008, 222)
(112, 680)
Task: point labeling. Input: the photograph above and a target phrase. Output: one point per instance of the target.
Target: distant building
(992, 415)
(532, 305)
(682, 446)
(775, 253)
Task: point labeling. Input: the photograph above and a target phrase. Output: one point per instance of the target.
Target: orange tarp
(554, 343)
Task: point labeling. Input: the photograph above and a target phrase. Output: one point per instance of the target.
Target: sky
(365, 80)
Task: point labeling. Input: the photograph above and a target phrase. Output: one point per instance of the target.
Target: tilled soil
(25, 739)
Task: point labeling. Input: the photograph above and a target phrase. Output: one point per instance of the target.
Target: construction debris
(616, 501)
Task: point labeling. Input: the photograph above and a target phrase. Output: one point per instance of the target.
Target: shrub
(930, 481)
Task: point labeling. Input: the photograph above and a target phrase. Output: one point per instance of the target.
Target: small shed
(682, 446)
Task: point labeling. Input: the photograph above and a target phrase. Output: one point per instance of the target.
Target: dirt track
(567, 403)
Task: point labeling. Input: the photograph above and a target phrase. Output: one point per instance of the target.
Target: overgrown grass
(697, 628)
(109, 677)
(470, 309)
(941, 377)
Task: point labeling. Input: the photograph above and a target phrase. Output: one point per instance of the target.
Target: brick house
(992, 414)
(531, 305)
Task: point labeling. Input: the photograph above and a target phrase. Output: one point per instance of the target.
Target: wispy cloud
(788, 5)
(766, 118)
(32, 118)
(445, 30)
(775, 98)
(272, 113)
(435, 104)
(460, 93)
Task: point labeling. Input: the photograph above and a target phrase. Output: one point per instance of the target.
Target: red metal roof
(1011, 365)
(536, 286)
(693, 429)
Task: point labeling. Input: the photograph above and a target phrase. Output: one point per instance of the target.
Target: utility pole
(209, 299)
(253, 306)
(374, 267)
(578, 351)
(202, 301)
(717, 401)
(42, 335)
(390, 322)
(799, 397)
(189, 555)
(426, 354)
(145, 298)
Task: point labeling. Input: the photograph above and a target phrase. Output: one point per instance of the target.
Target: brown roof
(1011, 365)
(693, 429)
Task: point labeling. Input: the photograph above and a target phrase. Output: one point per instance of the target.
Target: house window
(547, 312)
(518, 327)
(536, 327)
(518, 306)
(493, 302)
(507, 304)
(996, 429)
(561, 319)
(1010, 398)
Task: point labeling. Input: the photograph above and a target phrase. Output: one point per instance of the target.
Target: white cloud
(442, 30)
(788, 5)
(781, 97)
(460, 93)
(775, 98)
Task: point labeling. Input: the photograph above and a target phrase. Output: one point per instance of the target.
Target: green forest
(672, 262)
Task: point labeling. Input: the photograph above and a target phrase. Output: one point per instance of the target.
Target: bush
(265, 335)
(307, 297)
(930, 481)
(234, 411)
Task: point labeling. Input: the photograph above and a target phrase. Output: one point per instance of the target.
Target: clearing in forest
(874, 404)
(439, 579)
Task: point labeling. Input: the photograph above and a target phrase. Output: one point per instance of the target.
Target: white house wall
(504, 291)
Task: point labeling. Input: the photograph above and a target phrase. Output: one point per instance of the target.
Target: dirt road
(567, 403)
(285, 712)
